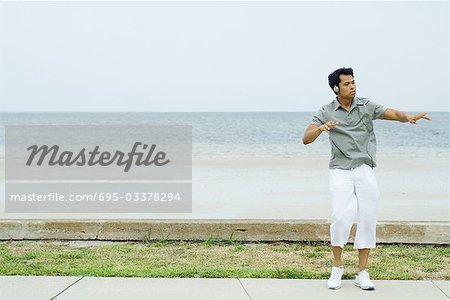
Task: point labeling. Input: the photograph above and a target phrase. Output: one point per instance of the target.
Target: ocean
(256, 134)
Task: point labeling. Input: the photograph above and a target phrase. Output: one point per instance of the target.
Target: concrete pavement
(61, 287)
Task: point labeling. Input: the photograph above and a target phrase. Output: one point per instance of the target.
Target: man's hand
(414, 119)
(327, 126)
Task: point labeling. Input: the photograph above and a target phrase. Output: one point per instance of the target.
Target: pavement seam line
(440, 289)
(249, 297)
(54, 297)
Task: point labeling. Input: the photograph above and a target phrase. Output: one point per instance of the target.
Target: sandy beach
(413, 188)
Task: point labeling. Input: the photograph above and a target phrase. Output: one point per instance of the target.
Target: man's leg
(367, 194)
(337, 254)
(343, 207)
(363, 258)
(337, 271)
(343, 202)
(362, 280)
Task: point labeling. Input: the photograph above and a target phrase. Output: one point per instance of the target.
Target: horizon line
(241, 111)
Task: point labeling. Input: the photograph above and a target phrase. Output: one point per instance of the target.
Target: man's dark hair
(333, 78)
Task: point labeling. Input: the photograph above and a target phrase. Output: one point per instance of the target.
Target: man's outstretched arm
(395, 115)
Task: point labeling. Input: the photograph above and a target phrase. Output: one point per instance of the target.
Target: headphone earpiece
(336, 89)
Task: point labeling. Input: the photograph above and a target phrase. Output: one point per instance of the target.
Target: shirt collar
(337, 104)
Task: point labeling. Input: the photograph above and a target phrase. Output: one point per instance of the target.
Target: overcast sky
(220, 56)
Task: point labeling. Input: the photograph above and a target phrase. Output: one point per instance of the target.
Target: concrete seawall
(198, 230)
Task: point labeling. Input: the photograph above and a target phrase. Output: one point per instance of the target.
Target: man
(353, 186)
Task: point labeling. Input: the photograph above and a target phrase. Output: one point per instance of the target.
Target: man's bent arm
(311, 134)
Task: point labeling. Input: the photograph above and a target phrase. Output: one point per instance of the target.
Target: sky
(220, 56)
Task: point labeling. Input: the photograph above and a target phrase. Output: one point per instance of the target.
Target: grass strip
(217, 259)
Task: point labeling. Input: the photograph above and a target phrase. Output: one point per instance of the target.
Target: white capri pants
(354, 193)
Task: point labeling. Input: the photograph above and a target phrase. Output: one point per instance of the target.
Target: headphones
(336, 89)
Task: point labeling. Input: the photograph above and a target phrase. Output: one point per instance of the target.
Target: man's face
(347, 86)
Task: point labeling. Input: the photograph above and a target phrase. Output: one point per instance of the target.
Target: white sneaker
(335, 278)
(363, 280)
